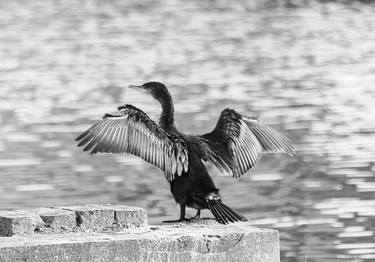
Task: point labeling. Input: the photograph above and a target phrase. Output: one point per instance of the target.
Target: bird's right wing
(130, 130)
(240, 141)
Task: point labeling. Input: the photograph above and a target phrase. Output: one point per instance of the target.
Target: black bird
(233, 146)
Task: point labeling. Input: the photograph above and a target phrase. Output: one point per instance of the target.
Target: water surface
(308, 71)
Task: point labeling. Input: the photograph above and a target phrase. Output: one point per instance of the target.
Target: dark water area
(308, 71)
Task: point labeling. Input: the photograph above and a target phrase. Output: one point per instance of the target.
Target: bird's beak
(139, 88)
(135, 87)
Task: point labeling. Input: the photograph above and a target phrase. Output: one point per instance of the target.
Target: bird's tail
(223, 213)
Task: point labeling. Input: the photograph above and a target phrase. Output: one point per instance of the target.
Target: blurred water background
(307, 68)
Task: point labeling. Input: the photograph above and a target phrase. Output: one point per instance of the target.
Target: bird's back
(195, 181)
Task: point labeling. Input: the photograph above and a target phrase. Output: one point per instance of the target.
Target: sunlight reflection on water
(307, 71)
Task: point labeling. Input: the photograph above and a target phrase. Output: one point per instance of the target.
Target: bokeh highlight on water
(308, 70)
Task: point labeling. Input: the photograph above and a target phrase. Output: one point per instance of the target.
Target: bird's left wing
(240, 141)
(130, 130)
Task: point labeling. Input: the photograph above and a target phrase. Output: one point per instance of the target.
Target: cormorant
(233, 146)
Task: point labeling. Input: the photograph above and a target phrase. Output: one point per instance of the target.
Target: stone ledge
(94, 218)
(18, 222)
(203, 240)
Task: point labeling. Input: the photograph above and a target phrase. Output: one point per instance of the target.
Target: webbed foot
(197, 216)
(178, 220)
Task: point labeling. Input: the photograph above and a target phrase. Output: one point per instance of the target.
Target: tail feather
(235, 213)
(219, 216)
(229, 216)
(224, 214)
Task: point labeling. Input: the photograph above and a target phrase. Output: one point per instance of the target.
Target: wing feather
(244, 139)
(271, 140)
(129, 130)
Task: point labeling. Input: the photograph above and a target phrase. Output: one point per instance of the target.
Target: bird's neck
(166, 120)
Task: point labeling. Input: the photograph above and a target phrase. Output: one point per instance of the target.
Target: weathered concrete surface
(57, 219)
(128, 216)
(97, 218)
(94, 218)
(18, 222)
(203, 241)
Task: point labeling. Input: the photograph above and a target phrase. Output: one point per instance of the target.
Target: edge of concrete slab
(120, 233)
(203, 241)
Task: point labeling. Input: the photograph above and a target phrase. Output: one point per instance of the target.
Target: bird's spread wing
(129, 130)
(240, 140)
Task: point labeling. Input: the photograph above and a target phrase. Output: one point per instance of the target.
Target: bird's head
(158, 90)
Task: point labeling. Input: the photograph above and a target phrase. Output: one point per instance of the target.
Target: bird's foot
(196, 217)
(178, 220)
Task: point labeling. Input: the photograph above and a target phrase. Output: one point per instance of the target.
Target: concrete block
(58, 220)
(18, 222)
(94, 218)
(195, 241)
(128, 216)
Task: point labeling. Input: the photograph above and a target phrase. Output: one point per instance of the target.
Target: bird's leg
(198, 215)
(182, 215)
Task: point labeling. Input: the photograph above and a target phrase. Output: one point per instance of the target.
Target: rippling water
(307, 70)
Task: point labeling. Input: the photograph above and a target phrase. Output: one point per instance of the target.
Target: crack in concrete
(79, 219)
